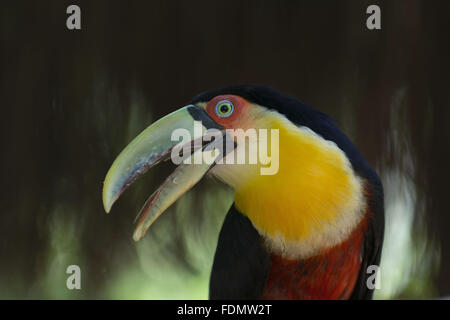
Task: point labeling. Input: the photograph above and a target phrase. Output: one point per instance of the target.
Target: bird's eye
(224, 108)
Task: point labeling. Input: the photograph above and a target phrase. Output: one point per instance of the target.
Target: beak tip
(107, 201)
(137, 235)
(111, 188)
(107, 205)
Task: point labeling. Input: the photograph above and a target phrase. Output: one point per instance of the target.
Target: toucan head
(291, 181)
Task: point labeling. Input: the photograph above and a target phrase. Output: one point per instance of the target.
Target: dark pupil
(224, 108)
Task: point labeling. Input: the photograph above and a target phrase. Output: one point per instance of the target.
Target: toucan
(311, 229)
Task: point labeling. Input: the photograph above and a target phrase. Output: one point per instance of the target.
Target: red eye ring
(231, 114)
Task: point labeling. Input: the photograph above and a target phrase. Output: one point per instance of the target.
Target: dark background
(71, 100)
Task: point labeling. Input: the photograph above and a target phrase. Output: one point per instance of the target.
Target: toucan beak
(150, 147)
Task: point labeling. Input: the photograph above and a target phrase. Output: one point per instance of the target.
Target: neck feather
(313, 202)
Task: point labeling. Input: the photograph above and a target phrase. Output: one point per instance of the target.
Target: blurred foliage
(71, 100)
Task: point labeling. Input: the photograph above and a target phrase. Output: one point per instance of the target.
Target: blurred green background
(71, 100)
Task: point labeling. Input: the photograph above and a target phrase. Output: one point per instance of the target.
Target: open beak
(153, 145)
